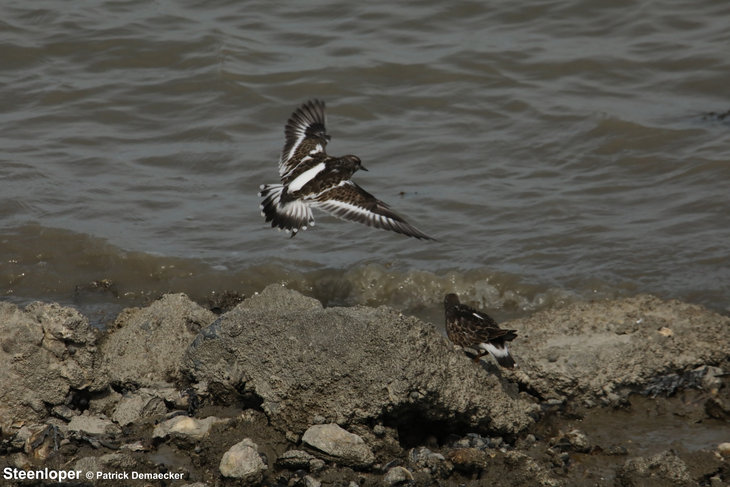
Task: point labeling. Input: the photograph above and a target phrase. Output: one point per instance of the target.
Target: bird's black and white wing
(350, 202)
(305, 135)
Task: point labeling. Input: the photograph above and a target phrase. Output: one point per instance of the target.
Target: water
(557, 151)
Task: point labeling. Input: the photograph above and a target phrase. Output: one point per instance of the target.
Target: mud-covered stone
(186, 426)
(603, 351)
(145, 345)
(664, 469)
(242, 461)
(299, 460)
(397, 475)
(46, 350)
(347, 365)
(134, 407)
(339, 444)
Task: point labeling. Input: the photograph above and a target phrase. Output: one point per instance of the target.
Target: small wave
(58, 265)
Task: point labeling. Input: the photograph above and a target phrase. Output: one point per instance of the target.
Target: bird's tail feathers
(291, 215)
(501, 354)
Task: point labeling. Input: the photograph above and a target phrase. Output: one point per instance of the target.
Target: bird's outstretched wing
(350, 202)
(305, 135)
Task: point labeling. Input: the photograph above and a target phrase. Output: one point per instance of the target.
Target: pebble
(712, 380)
(470, 460)
(397, 475)
(346, 447)
(577, 441)
(422, 458)
(187, 426)
(299, 459)
(242, 461)
(724, 449)
(93, 425)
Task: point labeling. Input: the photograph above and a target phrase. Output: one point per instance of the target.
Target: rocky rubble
(281, 391)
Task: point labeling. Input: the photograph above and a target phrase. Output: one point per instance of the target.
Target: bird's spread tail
(291, 215)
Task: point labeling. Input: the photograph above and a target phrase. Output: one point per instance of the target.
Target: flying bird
(470, 328)
(310, 178)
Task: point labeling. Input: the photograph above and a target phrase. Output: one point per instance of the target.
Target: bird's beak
(363, 167)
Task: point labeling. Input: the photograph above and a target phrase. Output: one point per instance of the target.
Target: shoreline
(280, 389)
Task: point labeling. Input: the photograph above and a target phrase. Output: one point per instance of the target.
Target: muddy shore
(279, 390)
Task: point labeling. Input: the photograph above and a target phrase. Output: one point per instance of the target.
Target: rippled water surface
(556, 150)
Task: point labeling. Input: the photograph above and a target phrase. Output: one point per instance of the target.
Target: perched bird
(470, 328)
(312, 179)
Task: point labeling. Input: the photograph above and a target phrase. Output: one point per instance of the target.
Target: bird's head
(352, 163)
(451, 300)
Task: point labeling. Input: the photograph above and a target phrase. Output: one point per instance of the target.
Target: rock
(603, 351)
(145, 345)
(724, 449)
(469, 460)
(105, 403)
(63, 412)
(397, 475)
(170, 395)
(186, 426)
(340, 445)
(347, 365)
(514, 468)
(134, 446)
(43, 442)
(242, 461)
(136, 406)
(421, 458)
(661, 470)
(93, 425)
(46, 351)
(574, 440)
(717, 408)
(473, 440)
(712, 379)
(299, 460)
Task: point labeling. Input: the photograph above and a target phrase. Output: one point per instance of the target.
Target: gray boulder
(145, 345)
(600, 352)
(346, 365)
(47, 350)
